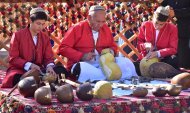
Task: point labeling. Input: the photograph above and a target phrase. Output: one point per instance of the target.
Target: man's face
(38, 25)
(97, 20)
(158, 24)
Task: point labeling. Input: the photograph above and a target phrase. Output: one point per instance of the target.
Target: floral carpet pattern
(118, 104)
(124, 104)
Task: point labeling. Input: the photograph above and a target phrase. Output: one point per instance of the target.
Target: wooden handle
(71, 82)
(12, 90)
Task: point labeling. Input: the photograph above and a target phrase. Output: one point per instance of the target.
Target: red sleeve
(14, 52)
(114, 48)
(141, 38)
(173, 42)
(67, 46)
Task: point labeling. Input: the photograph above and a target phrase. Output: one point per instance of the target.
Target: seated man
(180, 10)
(30, 49)
(159, 38)
(83, 44)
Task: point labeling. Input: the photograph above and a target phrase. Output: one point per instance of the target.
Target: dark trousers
(173, 61)
(184, 52)
(58, 70)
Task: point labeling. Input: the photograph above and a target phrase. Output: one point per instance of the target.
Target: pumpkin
(182, 79)
(145, 64)
(103, 90)
(84, 92)
(140, 92)
(174, 90)
(159, 91)
(27, 86)
(162, 70)
(43, 95)
(64, 93)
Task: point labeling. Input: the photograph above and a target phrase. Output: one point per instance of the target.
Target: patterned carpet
(117, 104)
(122, 104)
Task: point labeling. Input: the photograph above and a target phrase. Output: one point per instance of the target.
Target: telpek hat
(37, 10)
(96, 8)
(163, 10)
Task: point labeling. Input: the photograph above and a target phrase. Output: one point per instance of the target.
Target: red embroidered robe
(79, 40)
(167, 39)
(22, 50)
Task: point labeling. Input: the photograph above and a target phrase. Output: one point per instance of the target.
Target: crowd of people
(86, 38)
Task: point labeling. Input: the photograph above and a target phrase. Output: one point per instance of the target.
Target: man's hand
(88, 56)
(153, 54)
(50, 70)
(107, 50)
(148, 46)
(35, 67)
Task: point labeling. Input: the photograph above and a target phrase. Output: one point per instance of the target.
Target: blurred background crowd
(63, 15)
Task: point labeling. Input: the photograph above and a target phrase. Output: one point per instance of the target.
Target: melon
(145, 64)
(103, 90)
(109, 67)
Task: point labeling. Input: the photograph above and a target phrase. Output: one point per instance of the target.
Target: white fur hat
(96, 8)
(163, 10)
(36, 10)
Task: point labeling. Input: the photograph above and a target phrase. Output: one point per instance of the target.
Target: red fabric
(167, 38)
(8, 80)
(22, 50)
(79, 40)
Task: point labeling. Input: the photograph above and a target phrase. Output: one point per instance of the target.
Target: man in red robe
(180, 9)
(84, 42)
(30, 49)
(159, 38)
